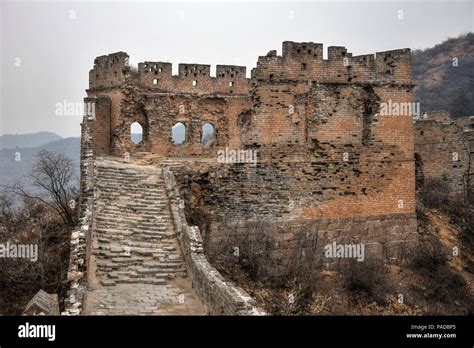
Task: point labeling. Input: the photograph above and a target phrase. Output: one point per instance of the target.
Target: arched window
(208, 135)
(136, 132)
(178, 133)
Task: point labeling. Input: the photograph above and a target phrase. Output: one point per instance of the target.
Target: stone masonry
(328, 152)
(134, 247)
(444, 150)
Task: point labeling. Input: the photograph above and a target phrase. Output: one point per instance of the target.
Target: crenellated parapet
(300, 61)
(109, 70)
(336, 126)
(113, 71)
(193, 78)
(304, 61)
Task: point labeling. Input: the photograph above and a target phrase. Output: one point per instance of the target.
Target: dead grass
(20, 279)
(426, 284)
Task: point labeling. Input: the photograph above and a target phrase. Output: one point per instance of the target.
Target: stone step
(105, 231)
(136, 242)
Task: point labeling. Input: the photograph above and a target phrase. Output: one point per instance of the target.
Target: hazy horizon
(55, 42)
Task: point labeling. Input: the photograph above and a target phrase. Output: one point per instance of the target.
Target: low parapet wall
(220, 296)
(77, 272)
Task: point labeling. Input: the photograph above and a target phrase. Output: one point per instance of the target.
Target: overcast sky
(48, 47)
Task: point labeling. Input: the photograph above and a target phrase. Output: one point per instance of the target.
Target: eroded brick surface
(443, 150)
(326, 152)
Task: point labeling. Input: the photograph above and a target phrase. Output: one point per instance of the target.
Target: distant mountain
(11, 141)
(444, 76)
(17, 162)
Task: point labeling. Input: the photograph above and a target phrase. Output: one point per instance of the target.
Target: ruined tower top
(300, 61)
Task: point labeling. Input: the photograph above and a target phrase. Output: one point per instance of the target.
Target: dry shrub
(392, 307)
(434, 193)
(440, 283)
(366, 281)
(246, 250)
(20, 279)
(459, 209)
(290, 287)
(298, 287)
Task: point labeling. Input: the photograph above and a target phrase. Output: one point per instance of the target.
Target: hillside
(10, 141)
(12, 170)
(442, 86)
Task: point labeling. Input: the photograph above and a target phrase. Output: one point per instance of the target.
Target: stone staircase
(135, 254)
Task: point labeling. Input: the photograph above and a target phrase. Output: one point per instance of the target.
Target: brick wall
(80, 236)
(327, 150)
(444, 149)
(219, 295)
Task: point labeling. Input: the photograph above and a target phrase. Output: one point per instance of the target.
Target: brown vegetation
(43, 219)
(20, 278)
(425, 284)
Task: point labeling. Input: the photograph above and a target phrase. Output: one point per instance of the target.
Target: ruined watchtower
(330, 149)
(325, 149)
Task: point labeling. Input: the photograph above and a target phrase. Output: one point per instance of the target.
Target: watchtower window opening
(208, 135)
(155, 81)
(136, 132)
(231, 84)
(178, 133)
(195, 83)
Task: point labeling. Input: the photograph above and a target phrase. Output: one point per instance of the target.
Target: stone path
(136, 266)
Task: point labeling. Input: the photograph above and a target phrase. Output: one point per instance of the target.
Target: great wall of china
(326, 153)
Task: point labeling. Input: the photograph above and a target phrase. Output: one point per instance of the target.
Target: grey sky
(57, 51)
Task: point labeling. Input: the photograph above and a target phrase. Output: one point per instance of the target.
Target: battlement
(157, 68)
(302, 50)
(300, 61)
(194, 70)
(232, 71)
(304, 61)
(193, 78)
(438, 115)
(310, 125)
(109, 70)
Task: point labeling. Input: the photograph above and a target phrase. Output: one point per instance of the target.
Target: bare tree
(53, 177)
(6, 208)
(20, 278)
(467, 179)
